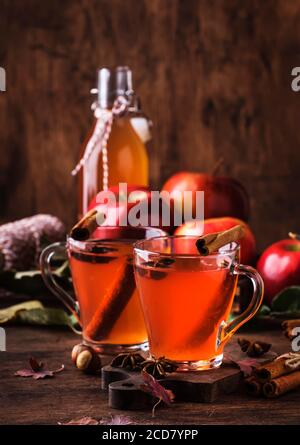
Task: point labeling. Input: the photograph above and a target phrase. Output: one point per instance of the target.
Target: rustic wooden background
(213, 75)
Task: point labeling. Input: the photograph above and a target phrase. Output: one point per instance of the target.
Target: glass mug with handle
(187, 298)
(107, 306)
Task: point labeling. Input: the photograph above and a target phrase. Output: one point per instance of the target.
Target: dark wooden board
(124, 387)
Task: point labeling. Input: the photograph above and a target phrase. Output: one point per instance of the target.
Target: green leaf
(13, 312)
(288, 300)
(286, 315)
(31, 282)
(263, 311)
(27, 282)
(46, 317)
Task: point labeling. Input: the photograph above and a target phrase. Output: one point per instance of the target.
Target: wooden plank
(72, 394)
(234, 100)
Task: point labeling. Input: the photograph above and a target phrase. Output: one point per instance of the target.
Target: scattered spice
(254, 348)
(131, 361)
(253, 386)
(37, 370)
(153, 387)
(136, 362)
(281, 385)
(277, 377)
(159, 367)
(272, 370)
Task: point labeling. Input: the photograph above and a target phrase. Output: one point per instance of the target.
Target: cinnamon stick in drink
(212, 242)
(272, 370)
(85, 227)
(281, 385)
(112, 304)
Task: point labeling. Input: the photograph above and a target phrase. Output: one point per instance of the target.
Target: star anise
(159, 367)
(131, 361)
(253, 348)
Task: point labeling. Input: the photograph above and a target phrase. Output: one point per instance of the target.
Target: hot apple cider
(187, 286)
(104, 284)
(184, 308)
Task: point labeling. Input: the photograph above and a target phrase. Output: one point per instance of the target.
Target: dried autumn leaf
(37, 370)
(81, 421)
(35, 365)
(117, 419)
(153, 387)
(246, 365)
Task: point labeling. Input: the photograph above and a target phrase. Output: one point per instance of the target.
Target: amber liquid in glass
(109, 313)
(127, 162)
(184, 309)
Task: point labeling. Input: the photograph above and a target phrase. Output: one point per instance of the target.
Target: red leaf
(246, 365)
(81, 421)
(117, 419)
(35, 365)
(37, 370)
(153, 387)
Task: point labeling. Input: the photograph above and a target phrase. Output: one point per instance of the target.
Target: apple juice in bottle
(125, 158)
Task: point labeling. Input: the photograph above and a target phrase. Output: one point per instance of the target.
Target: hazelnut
(88, 361)
(77, 349)
(86, 358)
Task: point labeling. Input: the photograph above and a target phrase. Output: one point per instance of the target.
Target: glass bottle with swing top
(115, 149)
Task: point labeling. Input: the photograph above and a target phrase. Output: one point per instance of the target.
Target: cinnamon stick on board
(288, 327)
(253, 386)
(112, 304)
(212, 242)
(85, 227)
(281, 385)
(272, 370)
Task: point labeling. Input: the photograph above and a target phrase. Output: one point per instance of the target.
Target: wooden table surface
(72, 394)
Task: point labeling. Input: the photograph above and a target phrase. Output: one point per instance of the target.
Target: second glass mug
(107, 305)
(187, 298)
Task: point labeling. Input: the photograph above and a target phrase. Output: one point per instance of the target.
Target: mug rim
(138, 249)
(83, 244)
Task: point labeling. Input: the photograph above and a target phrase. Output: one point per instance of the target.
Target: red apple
(212, 225)
(118, 211)
(223, 196)
(279, 266)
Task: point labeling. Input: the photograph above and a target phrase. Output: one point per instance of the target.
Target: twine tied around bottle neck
(101, 134)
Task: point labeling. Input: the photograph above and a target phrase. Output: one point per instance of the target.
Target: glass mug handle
(51, 282)
(228, 329)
